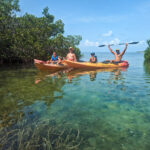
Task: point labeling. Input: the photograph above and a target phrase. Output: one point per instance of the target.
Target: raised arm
(111, 49)
(126, 45)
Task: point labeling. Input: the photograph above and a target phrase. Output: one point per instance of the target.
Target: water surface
(106, 109)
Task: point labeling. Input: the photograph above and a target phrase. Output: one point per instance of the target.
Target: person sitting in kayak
(118, 55)
(54, 59)
(71, 56)
(93, 58)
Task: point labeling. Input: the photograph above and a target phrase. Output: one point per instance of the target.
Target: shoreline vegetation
(140, 51)
(27, 37)
(147, 53)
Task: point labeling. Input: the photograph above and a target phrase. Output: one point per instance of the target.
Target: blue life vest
(54, 58)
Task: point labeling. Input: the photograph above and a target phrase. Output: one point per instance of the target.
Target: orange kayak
(99, 65)
(43, 65)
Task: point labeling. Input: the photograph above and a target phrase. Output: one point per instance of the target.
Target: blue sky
(99, 21)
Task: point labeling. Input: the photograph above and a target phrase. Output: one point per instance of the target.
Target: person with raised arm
(117, 54)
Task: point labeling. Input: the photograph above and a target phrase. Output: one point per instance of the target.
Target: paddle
(119, 44)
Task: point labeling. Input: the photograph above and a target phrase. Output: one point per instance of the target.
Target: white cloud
(142, 42)
(90, 43)
(109, 33)
(115, 41)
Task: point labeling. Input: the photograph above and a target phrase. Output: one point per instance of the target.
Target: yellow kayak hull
(99, 65)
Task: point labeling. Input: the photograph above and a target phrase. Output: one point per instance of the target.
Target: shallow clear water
(90, 110)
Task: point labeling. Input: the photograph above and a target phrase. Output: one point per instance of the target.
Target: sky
(99, 21)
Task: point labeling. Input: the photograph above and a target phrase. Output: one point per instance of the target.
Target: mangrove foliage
(23, 38)
(147, 53)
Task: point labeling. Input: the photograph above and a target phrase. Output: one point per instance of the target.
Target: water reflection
(20, 91)
(115, 74)
(93, 76)
(147, 76)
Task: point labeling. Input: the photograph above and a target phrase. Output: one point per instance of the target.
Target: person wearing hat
(93, 58)
(118, 55)
(71, 56)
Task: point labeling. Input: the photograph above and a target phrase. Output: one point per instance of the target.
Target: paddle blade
(129, 43)
(133, 43)
(101, 45)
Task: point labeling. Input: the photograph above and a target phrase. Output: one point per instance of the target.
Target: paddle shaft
(119, 44)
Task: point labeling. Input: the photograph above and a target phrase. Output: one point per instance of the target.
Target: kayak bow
(43, 65)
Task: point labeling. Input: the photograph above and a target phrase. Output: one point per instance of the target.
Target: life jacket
(54, 58)
(95, 60)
